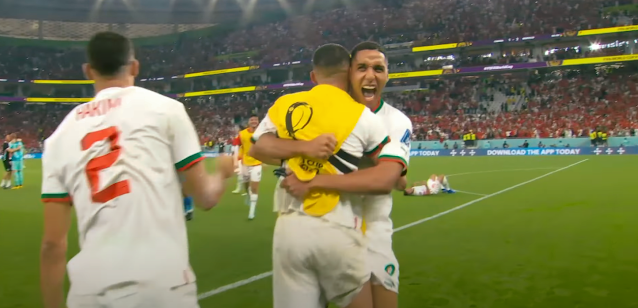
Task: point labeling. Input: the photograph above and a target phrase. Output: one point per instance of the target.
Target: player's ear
(135, 68)
(313, 77)
(86, 69)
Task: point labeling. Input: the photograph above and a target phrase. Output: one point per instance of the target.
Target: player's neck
(111, 83)
(251, 130)
(375, 106)
(335, 81)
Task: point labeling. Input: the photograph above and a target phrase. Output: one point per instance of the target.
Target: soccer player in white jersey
(432, 186)
(368, 77)
(117, 160)
(320, 259)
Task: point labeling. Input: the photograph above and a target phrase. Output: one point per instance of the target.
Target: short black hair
(109, 52)
(331, 57)
(367, 45)
(253, 116)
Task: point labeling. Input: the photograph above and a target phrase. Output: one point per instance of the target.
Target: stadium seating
(421, 22)
(524, 104)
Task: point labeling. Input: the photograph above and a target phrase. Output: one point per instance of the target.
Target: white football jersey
(365, 138)
(116, 159)
(378, 208)
(420, 190)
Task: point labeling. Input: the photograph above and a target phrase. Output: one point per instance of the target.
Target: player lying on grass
(434, 185)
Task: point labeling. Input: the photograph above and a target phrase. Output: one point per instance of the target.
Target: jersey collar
(108, 91)
(376, 110)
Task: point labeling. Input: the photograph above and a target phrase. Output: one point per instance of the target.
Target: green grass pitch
(564, 240)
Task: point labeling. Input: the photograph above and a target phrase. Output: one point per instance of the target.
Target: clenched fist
(225, 166)
(321, 147)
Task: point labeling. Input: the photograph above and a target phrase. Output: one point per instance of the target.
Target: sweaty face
(368, 76)
(253, 122)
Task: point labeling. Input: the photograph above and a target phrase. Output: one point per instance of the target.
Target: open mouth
(369, 92)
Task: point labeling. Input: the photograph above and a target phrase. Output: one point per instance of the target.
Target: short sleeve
(53, 189)
(399, 147)
(236, 141)
(266, 126)
(376, 134)
(183, 137)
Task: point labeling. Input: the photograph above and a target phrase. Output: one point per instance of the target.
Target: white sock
(253, 205)
(445, 183)
(4, 182)
(240, 183)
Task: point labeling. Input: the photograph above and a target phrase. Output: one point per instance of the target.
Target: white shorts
(251, 173)
(434, 187)
(279, 196)
(385, 269)
(316, 262)
(135, 295)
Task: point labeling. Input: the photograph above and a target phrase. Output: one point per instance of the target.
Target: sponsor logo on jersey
(389, 283)
(406, 138)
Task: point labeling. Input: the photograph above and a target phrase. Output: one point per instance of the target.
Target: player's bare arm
(378, 180)
(57, 221)
(269, 146)
(264, 157)
(402, 184)
(207, 189)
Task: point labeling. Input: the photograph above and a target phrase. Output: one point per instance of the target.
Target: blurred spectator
(422, 22)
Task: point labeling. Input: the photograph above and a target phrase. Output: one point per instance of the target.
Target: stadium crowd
(551, 104)
(420, 22)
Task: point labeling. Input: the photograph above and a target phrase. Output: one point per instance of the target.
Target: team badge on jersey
(390, 268)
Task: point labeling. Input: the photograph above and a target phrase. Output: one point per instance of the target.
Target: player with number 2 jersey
(118, 161)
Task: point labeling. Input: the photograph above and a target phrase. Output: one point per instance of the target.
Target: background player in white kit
(116, 161)
(432, 186)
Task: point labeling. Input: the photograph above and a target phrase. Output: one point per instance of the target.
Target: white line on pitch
(501, 170)
(469, 193)
(418, 222)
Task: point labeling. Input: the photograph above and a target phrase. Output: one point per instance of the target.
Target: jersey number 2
(102, 162)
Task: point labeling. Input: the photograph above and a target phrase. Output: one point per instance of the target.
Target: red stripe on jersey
(191, 164)
(60, 200)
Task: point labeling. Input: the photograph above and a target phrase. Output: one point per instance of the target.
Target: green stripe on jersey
(188, 160)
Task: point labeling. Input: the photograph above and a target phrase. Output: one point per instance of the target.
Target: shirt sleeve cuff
(189, 161)
(396, 159)
(59, 197)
